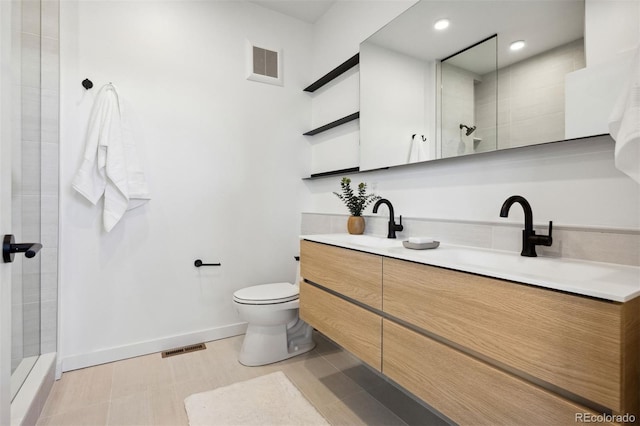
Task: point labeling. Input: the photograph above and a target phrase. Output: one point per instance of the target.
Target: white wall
(338, 33)
(222, 157)
(572, 183)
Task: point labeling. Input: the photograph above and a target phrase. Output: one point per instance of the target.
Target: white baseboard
(74, 362)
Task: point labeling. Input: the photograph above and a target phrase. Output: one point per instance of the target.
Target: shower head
(469, 129)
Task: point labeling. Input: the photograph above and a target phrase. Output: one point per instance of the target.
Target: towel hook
(87, 84)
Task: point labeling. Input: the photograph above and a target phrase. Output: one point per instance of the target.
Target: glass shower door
(26, 190)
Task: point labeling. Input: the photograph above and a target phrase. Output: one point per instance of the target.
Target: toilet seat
(266, 294)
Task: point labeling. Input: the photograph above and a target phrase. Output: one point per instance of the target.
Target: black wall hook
(87, 84)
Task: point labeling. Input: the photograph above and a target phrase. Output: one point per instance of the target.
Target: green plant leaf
(355, 203)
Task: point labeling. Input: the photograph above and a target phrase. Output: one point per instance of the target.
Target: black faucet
(392, 224)
(529, 238)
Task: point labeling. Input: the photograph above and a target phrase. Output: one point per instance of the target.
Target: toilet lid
(267, 294)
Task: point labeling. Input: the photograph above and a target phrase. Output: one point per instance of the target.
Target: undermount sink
(567, 270)
(369, 241)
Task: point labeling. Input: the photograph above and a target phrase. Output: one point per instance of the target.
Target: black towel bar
(198, 263)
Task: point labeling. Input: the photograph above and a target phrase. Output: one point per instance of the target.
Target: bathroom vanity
(483, 337)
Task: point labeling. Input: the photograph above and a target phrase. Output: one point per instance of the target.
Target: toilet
(275, 331)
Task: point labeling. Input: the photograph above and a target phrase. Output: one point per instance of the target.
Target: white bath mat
(266, 400)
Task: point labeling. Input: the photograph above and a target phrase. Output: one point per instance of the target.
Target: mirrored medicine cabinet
(428, 94)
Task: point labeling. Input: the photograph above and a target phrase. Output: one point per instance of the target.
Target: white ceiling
(305, 10)
(543, 24)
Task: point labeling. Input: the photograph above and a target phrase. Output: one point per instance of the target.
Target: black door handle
(10, 248)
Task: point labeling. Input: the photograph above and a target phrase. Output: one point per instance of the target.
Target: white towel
(110, 166)
(417, 152)
(624, 124)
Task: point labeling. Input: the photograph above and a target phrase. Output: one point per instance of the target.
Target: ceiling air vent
(264, 64)
(183, 350)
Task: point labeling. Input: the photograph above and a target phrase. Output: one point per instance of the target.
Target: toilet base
(268, 344)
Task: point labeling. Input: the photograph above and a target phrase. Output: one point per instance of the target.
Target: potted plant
(355, 203)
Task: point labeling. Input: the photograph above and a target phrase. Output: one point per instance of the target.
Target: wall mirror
(411, 104)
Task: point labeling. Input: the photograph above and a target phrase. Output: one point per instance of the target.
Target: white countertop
(618, 283)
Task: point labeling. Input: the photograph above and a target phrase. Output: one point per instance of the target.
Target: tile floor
(150, 390)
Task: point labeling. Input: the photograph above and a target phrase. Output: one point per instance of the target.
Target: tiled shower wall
(49, 171)
(530, 97)
(35, 178)
(457, 108)
(529, 107)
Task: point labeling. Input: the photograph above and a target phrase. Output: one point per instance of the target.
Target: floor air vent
(183, 350)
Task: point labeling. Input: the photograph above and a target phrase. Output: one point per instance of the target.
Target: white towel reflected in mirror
(417, 151)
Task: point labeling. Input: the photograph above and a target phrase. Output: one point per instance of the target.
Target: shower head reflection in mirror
(468, 99)
(470, 129)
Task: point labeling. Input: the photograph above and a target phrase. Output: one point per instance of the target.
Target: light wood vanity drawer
(352, 273)
(468, 391)
(569, 341)
(357, 330)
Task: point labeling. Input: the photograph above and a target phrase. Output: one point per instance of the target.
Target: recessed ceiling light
(441, 24)
(517, 45)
